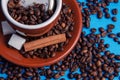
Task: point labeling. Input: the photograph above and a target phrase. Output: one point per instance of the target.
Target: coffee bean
(100, 15)
(53, 54)
(117, 57)
(114, 19)
(103, 5)
(31, 12)
(62, 73)
(116, 39)
(111, 35)
(63, 25)
(24, 18)
(118, 34)
(56, 76)
(70, 75)
(37, 12)
(101, 29)
(106, 75)
(109, 30)
(110, 26)
(111, 77)
(98, 63)
(84, 75)
(115, 1)
(111, 56)
(103, 78)
(68, 35)
(107, 15)
(29, 74)
(42, 7)
(105, 10)
(116, 74)
(114, 11)
(93, 30)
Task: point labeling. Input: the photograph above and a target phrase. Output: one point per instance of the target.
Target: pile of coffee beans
(86, 58)
(31, 15)
(64, 25)
(85, 62)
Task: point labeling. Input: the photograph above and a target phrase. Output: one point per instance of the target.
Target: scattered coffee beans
(30, 15)
(86, 57)
(98, 7)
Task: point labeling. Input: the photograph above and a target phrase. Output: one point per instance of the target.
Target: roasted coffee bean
(105, 10)
(117, 57)
(107, 45)
(62, 73)
(42, 7)
(31, 12)
(107, 15)
(57, 75)
(109, 30)
(70, 75)
(103, 5)
(68, 35)
(114, 19)
(111, 35)
(1, 78)
(118, 34)
(100, 14)
(29, 74)
(84, 74)
(103, 78)
(98, 63)
(116, 39)
(106, 75)
(110, 26)
(115, 1)
(111, 77)
(111, 56)
(114, 11)
(93, 30)
(53, 54)
(101, 29)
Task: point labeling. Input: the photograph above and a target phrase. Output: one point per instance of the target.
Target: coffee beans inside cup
(31, 15)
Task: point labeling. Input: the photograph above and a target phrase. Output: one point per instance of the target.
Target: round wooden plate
(14, 56)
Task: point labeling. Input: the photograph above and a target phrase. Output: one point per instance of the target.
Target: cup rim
(24, 26)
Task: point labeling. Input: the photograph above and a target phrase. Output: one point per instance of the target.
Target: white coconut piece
(6, 28)
(16, 41)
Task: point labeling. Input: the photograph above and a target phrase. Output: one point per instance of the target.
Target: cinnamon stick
(40, 43)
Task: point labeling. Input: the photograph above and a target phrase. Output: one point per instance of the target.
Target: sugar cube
(6, 28)
(16, 41)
